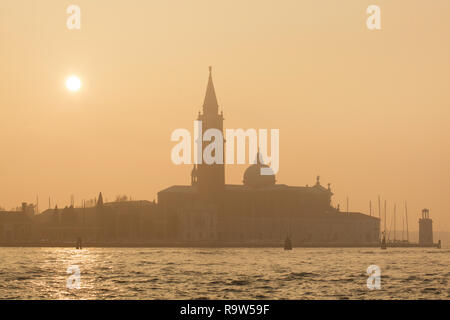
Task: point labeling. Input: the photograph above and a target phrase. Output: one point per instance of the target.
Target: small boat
(287, 243)
(383, 242)
(79, 243)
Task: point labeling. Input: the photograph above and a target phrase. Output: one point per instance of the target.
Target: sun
(73, 83)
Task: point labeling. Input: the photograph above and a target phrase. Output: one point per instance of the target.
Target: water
(193, 273)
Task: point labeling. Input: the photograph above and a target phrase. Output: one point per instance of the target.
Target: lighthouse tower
(425, 228)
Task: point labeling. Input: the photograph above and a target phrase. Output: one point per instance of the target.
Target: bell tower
(211, 177)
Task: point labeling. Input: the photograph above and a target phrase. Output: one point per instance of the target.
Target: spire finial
(210, 105)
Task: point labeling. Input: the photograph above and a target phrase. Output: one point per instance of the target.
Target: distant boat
(287, 244)
(79, 243)
(383, 242)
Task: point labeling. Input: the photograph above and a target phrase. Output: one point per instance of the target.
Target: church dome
(254, 178)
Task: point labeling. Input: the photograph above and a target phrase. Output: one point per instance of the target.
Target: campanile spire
(211, 177)
(210, 105)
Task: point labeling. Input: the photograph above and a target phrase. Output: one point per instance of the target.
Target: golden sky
(368, 111)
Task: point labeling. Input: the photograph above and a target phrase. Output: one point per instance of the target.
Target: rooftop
(239, 187)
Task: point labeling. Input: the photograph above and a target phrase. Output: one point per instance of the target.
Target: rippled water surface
(171, 273)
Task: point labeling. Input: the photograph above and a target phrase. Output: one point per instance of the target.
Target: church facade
(258, 212)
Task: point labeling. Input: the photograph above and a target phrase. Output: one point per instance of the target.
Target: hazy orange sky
(366, 110)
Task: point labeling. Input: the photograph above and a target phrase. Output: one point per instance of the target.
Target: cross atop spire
(259, 158)
(210, 105)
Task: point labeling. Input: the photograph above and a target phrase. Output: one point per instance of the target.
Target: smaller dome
(254, 178)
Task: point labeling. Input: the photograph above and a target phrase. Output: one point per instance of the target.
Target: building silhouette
(259, 210)
(16, 226)
(119, 222)
(425, 228)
